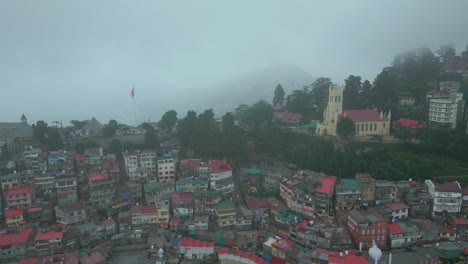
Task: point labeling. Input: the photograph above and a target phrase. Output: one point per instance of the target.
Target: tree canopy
(345, 128)
(168, 121)
(110, 129)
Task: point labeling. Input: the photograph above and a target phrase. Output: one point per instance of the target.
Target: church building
(367, 122)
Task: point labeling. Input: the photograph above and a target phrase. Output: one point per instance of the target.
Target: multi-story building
(309, 193)
(9, 181)
(315, 233)
(140, 165)
(221, 176)
(14, 218)
(398, 211)
(348, 194)
(144, 216)
(366, 227)
(136, 190)
(191, 184)
(72, 213)
(153, 192)
(19, 197)
(67, 189)
(101, 190)
(182, 204)
(385, 192)
(446, 108)
(205, 200)
(49, 240)
(167, 166)
(446, 197)
(367, 184)
(44, 181)
(163, 213)
(14, 244)
(225, 213)
(193, 168)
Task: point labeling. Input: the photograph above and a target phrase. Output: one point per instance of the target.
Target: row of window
(367, 127)
(441, 104)
(440, 114)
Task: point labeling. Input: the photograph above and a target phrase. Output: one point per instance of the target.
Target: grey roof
(15, 130)
(93, 125)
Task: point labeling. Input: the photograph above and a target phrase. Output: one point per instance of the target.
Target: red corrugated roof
(98, 177)
(218, 166)
(52, 234)
(348, 259)
(32, 260)
(363, 115)
(19, 190)
(395, 229)
(447, 187)
(327, 185)
(446, 230)
(190, 242)
(409, 123)
(115, 170)
(15, 238)
(222, 251)
(460, 220)
(13, 212)
(79, 157)
(188, 164)
(396, 206)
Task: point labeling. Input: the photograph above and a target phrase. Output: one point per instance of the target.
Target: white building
(166, 167)
(445, 108)
(221, 176)
(72, 213)
(399, 210)
(446, 197)
(140, 165)
(195, 249)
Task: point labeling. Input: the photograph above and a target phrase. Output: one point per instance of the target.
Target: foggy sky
(63, 60)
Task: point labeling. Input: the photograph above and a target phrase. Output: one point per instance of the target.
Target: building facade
(221, 176)
(447, 197)
(140, 165)
(167, 167)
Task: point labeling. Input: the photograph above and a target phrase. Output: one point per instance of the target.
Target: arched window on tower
(336, 98)
(339, 99)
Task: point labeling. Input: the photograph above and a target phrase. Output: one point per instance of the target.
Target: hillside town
(83, 203)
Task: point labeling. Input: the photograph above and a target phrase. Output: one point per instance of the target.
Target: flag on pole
(133, 92)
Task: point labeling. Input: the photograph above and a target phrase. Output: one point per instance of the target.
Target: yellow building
(163, 213)
(333, 109)
(9, 181)
(406, 100)
(367, 122)
(226, 213)
(14, 218)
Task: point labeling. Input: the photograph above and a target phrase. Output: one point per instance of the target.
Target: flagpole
(134, 107)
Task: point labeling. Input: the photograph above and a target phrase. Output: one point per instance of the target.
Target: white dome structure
(375, 253)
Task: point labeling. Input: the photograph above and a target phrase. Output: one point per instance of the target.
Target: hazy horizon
(75, 60)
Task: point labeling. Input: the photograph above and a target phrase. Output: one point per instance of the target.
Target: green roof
(350, 184)
(226, 204)
(286, 215)
(195, 180)
(312, 125)
(167, 155)
(450, 253)
(253, 170)
(292, 165)
(8, 176)
(152, 187)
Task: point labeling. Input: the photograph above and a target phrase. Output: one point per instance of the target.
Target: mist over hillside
(247, 88)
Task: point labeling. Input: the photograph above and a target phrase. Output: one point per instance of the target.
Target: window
(367, 127)
(375, 127)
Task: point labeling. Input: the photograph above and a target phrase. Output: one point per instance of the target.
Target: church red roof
(363, 115)
(408, 123)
